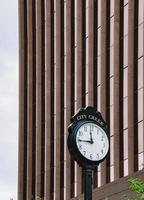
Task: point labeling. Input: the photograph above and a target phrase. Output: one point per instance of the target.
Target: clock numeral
(102, 151)
(85, 128)
(103, 144)
(91, 156)
(80, 133)
(92, 128)
(84, 152)
(80, 146)
(102, 138)
(97, 132)
(97, 155)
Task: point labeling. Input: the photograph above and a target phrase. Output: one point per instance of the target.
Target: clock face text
(92, 141)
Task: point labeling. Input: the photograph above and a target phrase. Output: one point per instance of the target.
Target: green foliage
(137, 186)
(39, 198)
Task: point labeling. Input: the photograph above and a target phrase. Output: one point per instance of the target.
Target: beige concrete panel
(29, 99)
(67, 91)
(115, 122)
(47, 96)
(78, 52)
(57, 96)
(143, 84)
(102, 103)
(89, 51)
(21, 100)
(38, 97)
(130, 86)
(103, 59)
(143, 90)
(78, 79)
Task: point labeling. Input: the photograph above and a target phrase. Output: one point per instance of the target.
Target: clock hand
(89, 141)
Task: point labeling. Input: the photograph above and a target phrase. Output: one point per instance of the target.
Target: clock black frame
(84, 115)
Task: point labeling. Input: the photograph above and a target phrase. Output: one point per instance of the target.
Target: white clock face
(92, 142)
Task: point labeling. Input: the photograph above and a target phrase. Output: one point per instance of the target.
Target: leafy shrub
(137, 186)
(39, 198)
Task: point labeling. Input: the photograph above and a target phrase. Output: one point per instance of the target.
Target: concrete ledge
(114, 190)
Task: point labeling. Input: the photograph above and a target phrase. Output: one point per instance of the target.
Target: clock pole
(88, 129)
(87, 172)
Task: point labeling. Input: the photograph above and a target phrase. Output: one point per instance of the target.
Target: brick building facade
(75, 53)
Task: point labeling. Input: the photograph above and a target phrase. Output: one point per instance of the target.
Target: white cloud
(8, 99)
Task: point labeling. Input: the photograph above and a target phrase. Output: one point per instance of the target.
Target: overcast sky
(8, 98)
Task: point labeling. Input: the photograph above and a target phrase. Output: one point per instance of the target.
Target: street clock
(87, 140)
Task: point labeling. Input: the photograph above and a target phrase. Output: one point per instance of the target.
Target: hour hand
(89, 141)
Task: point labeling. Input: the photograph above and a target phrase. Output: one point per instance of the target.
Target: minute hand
(89, 141)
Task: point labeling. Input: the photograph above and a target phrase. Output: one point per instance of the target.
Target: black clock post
(87, 172)
(88, 143)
